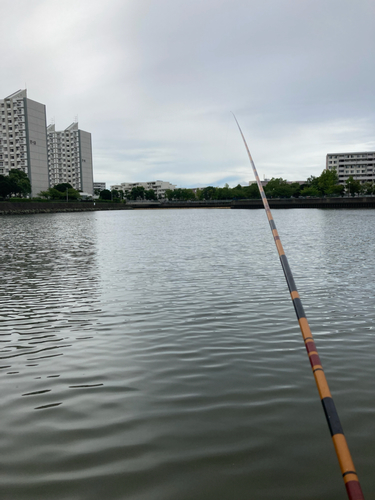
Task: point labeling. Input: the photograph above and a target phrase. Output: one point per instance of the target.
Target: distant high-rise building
(23, 141)
(70, 157)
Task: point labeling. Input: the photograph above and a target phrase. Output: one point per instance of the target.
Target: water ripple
(163, 357)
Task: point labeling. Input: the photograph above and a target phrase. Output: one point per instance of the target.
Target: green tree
(326, 182)
(278, 188)
(224, 193)
(310, 191)
(368, 188)
(115, 195)
(66, 191)
(63, 186)
(60, 192)
(352, 186)
(6, 186)
(208, 193)
(20, 182)
(169, 194)
(150, 194)
(177, 194)
(52, 194)
(180, 194)
(105, 194)
(311, 181)
(295, 189)
(198, 194)
(252, 191)
(238, 192)
(338, 190)
(137, 193)
(188, 194)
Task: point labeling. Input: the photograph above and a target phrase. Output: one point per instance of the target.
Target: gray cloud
(155, 82)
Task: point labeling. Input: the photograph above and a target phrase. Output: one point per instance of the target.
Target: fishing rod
(349, 474)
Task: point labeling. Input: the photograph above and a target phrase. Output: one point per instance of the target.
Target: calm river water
(151, 355)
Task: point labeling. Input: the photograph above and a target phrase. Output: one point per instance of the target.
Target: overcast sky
(155, 82)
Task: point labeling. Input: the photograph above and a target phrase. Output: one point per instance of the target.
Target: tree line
(17, 183)
(62, 191)
(136, 193)
(327, 184)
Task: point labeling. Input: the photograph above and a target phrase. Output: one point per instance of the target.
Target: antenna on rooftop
(76, 119)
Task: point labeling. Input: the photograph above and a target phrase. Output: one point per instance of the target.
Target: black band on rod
(332, 416)
(288, 273)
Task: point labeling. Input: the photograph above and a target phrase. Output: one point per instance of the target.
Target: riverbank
(362, 202)
(34, 207)
(40, 207)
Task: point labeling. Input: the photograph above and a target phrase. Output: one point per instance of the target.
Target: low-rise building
(359, 165)
(99, 186)
(159, 187)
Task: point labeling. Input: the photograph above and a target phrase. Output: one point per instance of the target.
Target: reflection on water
(48, 286)
(155, 354)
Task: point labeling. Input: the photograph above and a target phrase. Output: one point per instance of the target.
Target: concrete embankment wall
(363, 202)
(34, 207)
(9, 207)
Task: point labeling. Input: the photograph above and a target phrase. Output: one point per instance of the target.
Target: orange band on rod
(294, 295)
(343, 453)
(279, 247)
(315, 367)
(350, 477)
(305, 328)
(322, 384)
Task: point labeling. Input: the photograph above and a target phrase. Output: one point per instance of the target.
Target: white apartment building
(159, 187)
(70, 157)
(360, 165)
(23, 141)
(100, 186)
